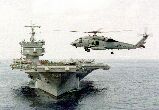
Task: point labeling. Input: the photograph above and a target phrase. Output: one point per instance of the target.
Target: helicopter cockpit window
(97, 42)
(111, 40)
(80, 40)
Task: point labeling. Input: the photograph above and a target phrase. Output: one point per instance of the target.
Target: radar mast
(32, 39)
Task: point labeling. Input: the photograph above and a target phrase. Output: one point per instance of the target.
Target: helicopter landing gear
(86, 49)
(112, 52)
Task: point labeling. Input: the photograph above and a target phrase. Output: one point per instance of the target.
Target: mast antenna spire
(32, 26)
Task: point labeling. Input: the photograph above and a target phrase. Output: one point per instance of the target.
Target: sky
(80, 15)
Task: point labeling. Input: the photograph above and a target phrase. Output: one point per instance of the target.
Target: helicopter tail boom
(142, 41)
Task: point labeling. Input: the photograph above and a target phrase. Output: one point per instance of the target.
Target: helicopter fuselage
(101, 43)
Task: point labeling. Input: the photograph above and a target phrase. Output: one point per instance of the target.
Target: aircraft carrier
(52, 77)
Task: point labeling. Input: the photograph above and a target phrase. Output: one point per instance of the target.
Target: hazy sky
(80, 15)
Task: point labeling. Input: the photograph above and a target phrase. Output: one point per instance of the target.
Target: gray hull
(56, 80)
(58, 85)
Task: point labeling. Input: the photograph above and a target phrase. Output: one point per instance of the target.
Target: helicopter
(96, 42)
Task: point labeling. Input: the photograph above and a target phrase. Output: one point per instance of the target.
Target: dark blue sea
(128, 85)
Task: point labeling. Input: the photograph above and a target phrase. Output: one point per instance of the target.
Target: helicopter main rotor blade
(99, 29)
(73, 31)
(94, 32)
(56, 30)
(127, 30)
(111, 31)
(65, 30)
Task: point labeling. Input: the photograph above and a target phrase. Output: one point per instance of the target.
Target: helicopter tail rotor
(142, 41)
(145, 33)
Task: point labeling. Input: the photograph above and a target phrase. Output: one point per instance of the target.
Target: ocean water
(128, 85)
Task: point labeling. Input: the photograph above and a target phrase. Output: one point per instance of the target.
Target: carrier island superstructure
(52, 77)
